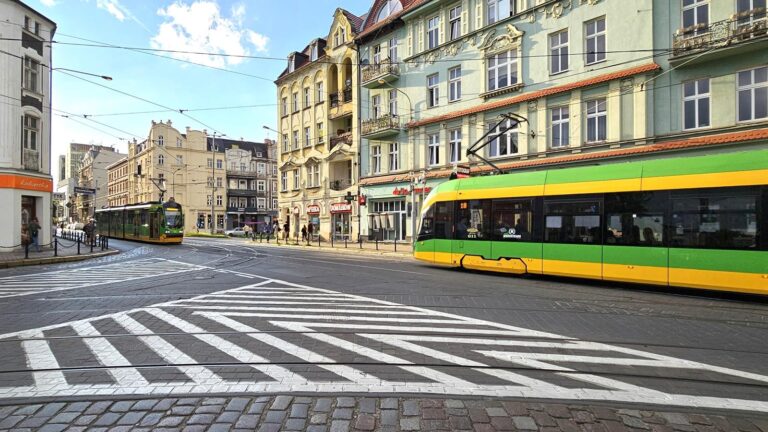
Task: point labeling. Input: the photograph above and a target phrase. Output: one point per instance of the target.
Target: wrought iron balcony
(240, 173)
(333, 99)
(345, 138)
(386, 71)
(348, 95)
(381, 127)
(340, 185)
(743, 27)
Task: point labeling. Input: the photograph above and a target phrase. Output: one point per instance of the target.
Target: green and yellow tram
(698, 222)
(150, 222)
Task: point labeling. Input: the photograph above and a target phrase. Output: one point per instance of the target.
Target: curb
(56, 260)
(350, 250)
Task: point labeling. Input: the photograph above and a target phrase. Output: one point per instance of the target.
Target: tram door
(154, 225)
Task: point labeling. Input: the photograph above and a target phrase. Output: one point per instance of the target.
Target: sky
(261, 28)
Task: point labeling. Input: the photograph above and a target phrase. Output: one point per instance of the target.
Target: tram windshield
(173, 218)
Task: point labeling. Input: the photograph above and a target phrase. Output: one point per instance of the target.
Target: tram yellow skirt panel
(635, 273)
(591, 270)
(754, 283)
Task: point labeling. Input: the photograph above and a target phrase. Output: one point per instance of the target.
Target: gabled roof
(355, 21)
(371, 26)
(303, 57)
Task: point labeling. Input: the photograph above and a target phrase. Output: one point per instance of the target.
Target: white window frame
(751, 18)
(750, 89)
(319, 133)
(31, 74)
(376, 159)
(497, 10)
(284, 106)
(286, 143)
(558, 51)
(505, 61)
(693, 6)
(393, 49)
(511, 136)
(160, 160)
(219, 164)
(313, 52)
(376, 106)
(377, 54)
(560, 120)
(454, 23)
(307, 137)
(320, 92)
(295, 101)
(596, 110)
(592, 40)
(295, 143)
(454, 145)
(178, 142)
(179, 160)
(31, 132)
(454, 84)
(394, 156)
(392, 102)
(296, 179)
(433, 32)
(433, 149)
(697, 96)
(160, 141)
(433, 90)
(307, 97)
(284, 181)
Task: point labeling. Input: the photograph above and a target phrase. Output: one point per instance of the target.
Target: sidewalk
(341, 414)
(66, 251)
(403, 249)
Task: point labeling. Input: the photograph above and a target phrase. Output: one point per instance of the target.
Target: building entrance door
(28, 209)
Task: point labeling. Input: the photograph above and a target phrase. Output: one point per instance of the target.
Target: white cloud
(201, 27)
(49, 3)
(117, 10)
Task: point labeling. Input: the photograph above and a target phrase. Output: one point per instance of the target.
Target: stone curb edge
(56, 260)
(313, 248)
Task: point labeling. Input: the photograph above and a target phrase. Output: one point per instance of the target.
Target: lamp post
(104, 77)
(213, 181)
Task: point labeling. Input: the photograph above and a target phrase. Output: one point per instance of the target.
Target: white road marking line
(258, 302)
(340, 318)
(109, 356)
(40, 356)
(368, 327)
(281, 309)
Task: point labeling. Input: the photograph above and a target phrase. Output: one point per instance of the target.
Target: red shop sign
(342, 207)
(405, 191)
(313, 209)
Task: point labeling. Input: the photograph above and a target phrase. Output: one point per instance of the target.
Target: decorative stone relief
(503, 41)
(590, 2)
(627, 85)
(533, 105)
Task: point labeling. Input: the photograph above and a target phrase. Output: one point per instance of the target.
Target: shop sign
(462, 171)
(405, 191)
(313, 209)
(12, 181)
(342, 207)
(59, 196)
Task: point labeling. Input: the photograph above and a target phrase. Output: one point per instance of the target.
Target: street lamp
(104, 77)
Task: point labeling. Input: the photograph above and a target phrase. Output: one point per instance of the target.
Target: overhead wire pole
(213, 182)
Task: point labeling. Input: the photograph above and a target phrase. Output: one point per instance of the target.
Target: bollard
(78, 245)
(55, 247)
(395, 242)
(331, 239)
(345, 242)
(26, 250)
(360, 241)
(268, 234)
(377, 242)
(318, 240)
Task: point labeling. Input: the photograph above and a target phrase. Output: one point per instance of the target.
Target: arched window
(389, 7)
(160, 140)
(160, 159)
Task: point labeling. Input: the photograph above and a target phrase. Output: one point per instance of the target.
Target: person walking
(34, 231)
(88, 229)
(304, 233)
(286, 227)
(310, 229)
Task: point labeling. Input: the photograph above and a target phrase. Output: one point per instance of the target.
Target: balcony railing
(241, 173)
(742, 27)
(386, 71)
(345, 138)
(340, 185)
(382, 126)
(333, 99)
(348, 95)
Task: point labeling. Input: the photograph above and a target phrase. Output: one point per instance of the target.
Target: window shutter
(421, 30)
(465, 17)
(479, 11)
(408, 41)
(441, 25)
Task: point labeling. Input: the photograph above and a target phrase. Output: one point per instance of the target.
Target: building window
(558, 51)
(284, 181)
(595, 40)
(208, 200)
(392, 102)
(394, 156)
(261, 186)
(597, 120)
(210, 163)
(455, 145)
(295, 139)
(695, 16)
(296, 178)
(286, 143)
(696, 104)
(260, 168)
(376, 106)
(284, 106)
(178, 142)
(503, 140)
(560, 126)
(219, 164)
(433, 32)
(219, 200)
(753, 94)
(454, 84)
(307, 140)
(219, 182)
(393, 50)
(376, 159)
(179, 160)
(31, 74)
(313, 175)
(319, 132)
(750, 11)
(290, 64)
(320, 92)
(377, 54)
(313, 52)
(242, 166)
(433, 149)
(502, 70)
(31, 131)
(433, 92)
(160, 141)
(295, 101)
(306, 97)
(498, 10)
(160, 160)
(454, 23)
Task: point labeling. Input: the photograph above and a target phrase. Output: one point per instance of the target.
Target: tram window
(444, 220)
(512, 220)
(635, 219)
(716, 219)
(473, 220)
(427, 230)
(572, 222)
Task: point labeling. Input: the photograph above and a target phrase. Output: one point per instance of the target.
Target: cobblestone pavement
(341, 414)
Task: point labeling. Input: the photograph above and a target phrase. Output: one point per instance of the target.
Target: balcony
(381, 127)
(385, 71)
(241, 192)
(245, 209)
(345, 138)
(340, 185)
(340, 103)
(240, 173)
(739, 31)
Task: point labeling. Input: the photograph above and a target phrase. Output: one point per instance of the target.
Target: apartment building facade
(530, 84)
(251, 183)
(318, 143)
(117, 183)
(26, 183)
(69, 177)
(93, 175)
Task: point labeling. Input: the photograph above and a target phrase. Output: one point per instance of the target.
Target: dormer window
(290, 64)
(389, 7)
(313, 52)
(340, 37)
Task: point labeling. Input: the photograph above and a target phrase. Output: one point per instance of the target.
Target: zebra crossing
(29, 284)
(274, 336)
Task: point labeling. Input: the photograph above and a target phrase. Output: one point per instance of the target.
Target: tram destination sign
(85, 191)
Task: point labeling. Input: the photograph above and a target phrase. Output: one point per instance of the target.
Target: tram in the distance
(698, 222)
(150, 222)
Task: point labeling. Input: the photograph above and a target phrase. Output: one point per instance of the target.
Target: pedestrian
(304, 233)
(88, 229)
(310, 229)
(286, 228)
(34, 231)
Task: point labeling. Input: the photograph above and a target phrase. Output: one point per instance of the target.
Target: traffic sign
(85, 191)
(59, 196)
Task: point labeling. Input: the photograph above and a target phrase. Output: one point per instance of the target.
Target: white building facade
(25, 122)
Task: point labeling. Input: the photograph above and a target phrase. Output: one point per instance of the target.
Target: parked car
(237, 232)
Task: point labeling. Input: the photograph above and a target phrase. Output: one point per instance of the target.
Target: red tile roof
(687, 143)
(354, 20)
(371, 26)
(539, 94)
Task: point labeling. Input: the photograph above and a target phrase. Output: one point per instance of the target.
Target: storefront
(313, 219)
(389, 208)
(341, 220)
(26, 198)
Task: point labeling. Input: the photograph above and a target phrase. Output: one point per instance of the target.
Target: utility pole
(213, 183)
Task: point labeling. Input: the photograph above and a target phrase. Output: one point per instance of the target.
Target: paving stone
(365, 422)
(342, 413)
(593, 427)
(220, 427)
(458, 412)
(479, 415)
(98, 408)
(50, 410)
(454, 403)
(517, 409)
(604, 413)
(274, 417)
(634, 422)
(281, 403)
(303, 400)
(433, 414)
(367, 405)
(145, 405)
(122, 406)
(121, 429)
(525, 423)
(340, 426)
(543, 419)
(107, 419)
(299, 411)
(214, 401)
(52, 428)
(78, 429)
(7, 410)
(317, 428)
(171, 421)
(194, 428)
(151, 419)
(188, 401)
(247, 421)
(496, 412)
(654, 419)
(503, 423)
(323, 405)
(295, 424)
(65, 418)
(583, 417)
(614, 426)
(699, 419)
(389, 417)
(345, 402)
(209, 409)
(77, 407)
(484, 427)
(237, 404)
(435, 425)
(28, 410)
(460, 422)
(631, 413)
(85, 420)
(567, 425)
(183, 410)
(205, 419)
(164, 405)
(410, 408)
(131, 418)
(665, 428)
(257, 408)
(431, 403)
(558, 411)
(319, 419)
(389, 403)
(674, 418)
(228, 417)
(410, 424)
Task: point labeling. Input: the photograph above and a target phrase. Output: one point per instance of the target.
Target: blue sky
(253, 27)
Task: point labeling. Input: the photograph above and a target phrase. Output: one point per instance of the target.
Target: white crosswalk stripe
(30, 284)
(296, 338)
